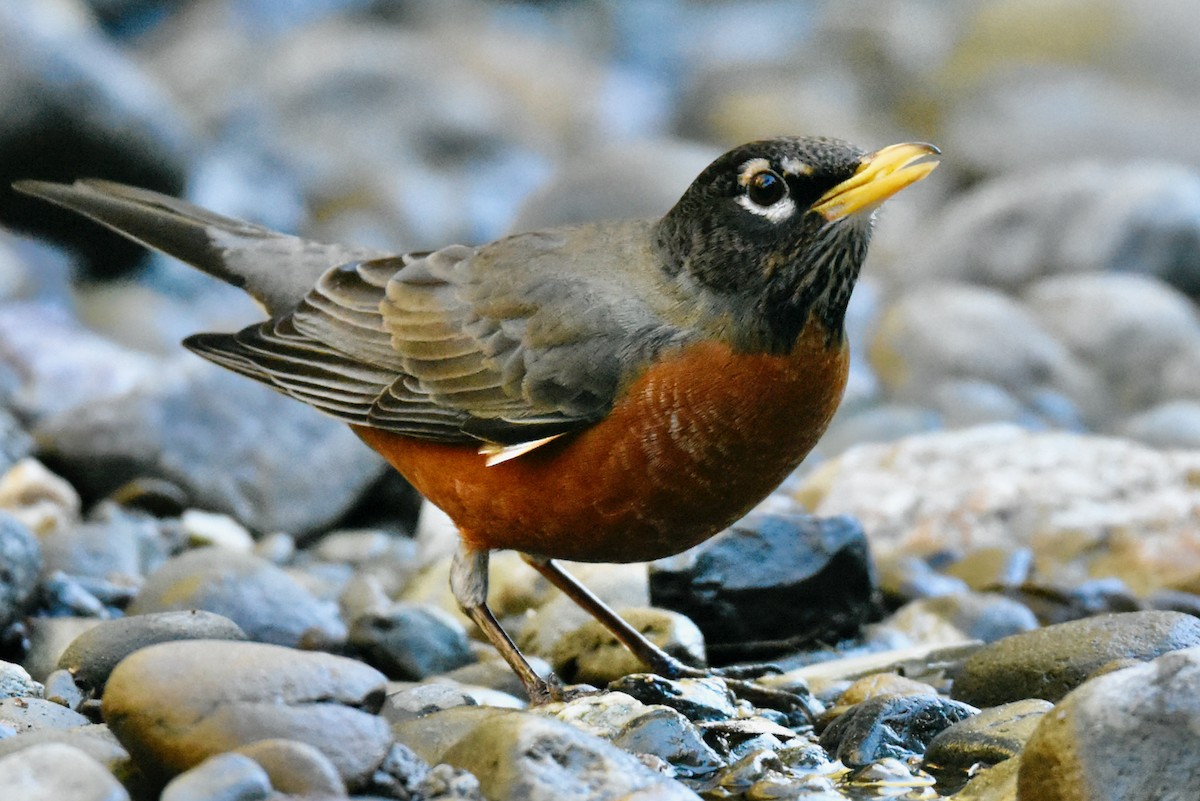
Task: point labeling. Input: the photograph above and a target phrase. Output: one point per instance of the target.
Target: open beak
(880, 175)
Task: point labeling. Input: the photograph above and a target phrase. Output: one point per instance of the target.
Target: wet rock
(814, 579)
(1066, 495)
(876, 685)
(411, 641)
(265, 602)
(36, 714)
(175, 704)
(997, 783)
(519, 755)
(642, 729)
(1127, 734)
(252, 471)
(57, 772)
(1050, 662)
(994, 735)
(592, 655)
(296, 768)
(896, 726)
(224, 777)
(696, 699)
(92, 655)
(20, 564)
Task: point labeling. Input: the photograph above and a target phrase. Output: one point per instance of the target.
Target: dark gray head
(774, 232)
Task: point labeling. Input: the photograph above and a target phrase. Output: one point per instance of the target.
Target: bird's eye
(766, 188)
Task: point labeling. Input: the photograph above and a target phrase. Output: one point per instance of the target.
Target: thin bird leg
(658, 660)
(469, 583)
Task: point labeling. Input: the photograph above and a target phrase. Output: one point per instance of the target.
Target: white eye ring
(777, 212)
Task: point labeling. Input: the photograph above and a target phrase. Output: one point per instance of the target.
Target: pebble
(1173, 424)
(37, 714)
(210, 528)
(903, 579)
(175, 704)
(48, 638)
(1133, 733)
(61, 688)
(264, 601)
(92, 655)
(519, 755)
(15, 442)
(411, 641)
(994, 735)
(21, 561)
(15, 682)
(814, 579)
(95, 740)
(592, 655)
(989, 569)
(1050, 662)
(110, 550)
(224, 777)
(696, 699)
(38, 498)
(976, 616)
(265, 488)
(419, 700)
(995, 783)
(57, 772)
(897, 726)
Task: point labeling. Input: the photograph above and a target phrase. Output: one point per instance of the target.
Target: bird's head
(773, 233)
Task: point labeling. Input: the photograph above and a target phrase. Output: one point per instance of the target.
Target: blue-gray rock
(813, 579)
(57, 772)
(411, 641)
(1174, 424)
(903, 579)
(1049, 662)
(36, 714)
(173, 705)
(264, 601)
(48, 638)
(91, 656)
(20, 564)
(15, 442)
(1129, 734)
(60, 687)
(105, 550)
(15, 682)
(224, 777)
(896, 726)
(994, 735)
(233, 445)
(979, 615)
(519, 755)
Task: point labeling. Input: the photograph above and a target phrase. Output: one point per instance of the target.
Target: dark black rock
(1049, 662)
(769, 582)
(992, 736)
(897, 726)
(411, 641)
(20, 565)
(92, 655)
(696, 699)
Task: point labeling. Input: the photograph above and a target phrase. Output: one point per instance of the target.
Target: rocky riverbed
(984, 583)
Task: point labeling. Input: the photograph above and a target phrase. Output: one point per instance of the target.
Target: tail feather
(276, 269)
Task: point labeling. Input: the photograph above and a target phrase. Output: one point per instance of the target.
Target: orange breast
(696, 442)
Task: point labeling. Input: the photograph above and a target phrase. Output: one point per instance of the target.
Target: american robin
(615, 392)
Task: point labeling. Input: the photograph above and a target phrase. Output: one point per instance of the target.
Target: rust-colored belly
(692, 446)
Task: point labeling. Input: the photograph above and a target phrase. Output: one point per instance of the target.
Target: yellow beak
(880, 175)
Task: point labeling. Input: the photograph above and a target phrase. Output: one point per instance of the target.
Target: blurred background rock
(1046, 277)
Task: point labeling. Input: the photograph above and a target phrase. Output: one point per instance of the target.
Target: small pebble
(57, 772)
(896, 726)
(295, 768)
(224, 777)
(213, 528)
(411, 641)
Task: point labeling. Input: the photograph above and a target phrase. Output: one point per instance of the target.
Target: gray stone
(904, 578)
(1129, 734)
(1175, 424)
(62, 689)
(1050, 662)
(92, 655)
(20, 565)
(233, 445)
(15, 682)
(295, 768)
(37, 714)
(411, 641)
(106, 550)
(57, 772)
(224, 777)
(997, 783)
(994, 735)
(995, 568)
(15, 442)
(419, 700)
(48, 638)
(175, 704)
(267, 603)
(95, 740)
(896, 726)
(979, 616)
(518, 755)
(592, 655)
(885, 422)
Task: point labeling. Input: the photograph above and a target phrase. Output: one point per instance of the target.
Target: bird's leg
(469, 583)
(658, 660)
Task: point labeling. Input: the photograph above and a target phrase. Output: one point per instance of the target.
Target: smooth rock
(92, 655)
(15, 442)
(1064, 495)
(37, 714)
(48, 638)
(411, 641)
(997, 783)
(224, 777)
(209, 528)
(61, 689)
(988, 569)
(1131, 734)
(1174, 424)
(175, 704)
(977, 616)
(20, 565)
(109, 550)
(994, 735)
(419, 700)
(263, 600)
(909, 578)
(592, 655)
(518, 755)
(1049, 662)
(813, 579)
(252, 471)
(57, 772)
(295, 768)
(896, 726)
(95, 740)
